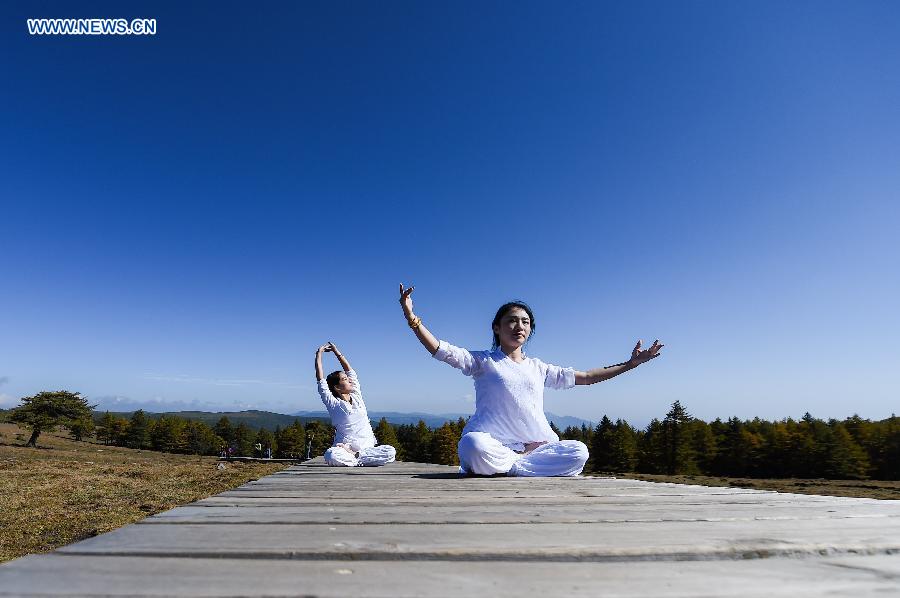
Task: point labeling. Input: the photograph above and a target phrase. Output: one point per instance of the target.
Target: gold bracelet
(415, 323)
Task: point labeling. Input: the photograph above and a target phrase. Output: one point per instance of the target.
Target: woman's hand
(638, 356)
(406, 301)
(326, 348)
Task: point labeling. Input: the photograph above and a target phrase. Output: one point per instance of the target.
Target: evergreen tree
(81, 427)
(243, 440)
(224, 430)
(653, 449)
(138, 435)
(623, 448)
(319, 437)
(199, 439)
(702, 445)
(106, 432)
(443, 445)
(846, 459)
(291, 442)
(889, 449)
(421, 450)
(46, 410)
(678, 453)
(265, 440)
(167, 434)
(120, 431)
(385, 434)
(601, 447)
(555, 429)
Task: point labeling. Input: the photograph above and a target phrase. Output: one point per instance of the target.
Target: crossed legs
(342, 455)
(480, 453)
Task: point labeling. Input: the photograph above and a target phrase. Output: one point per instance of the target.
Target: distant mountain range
(268, 420)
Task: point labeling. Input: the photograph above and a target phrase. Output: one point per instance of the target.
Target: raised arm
(320, 375)
(415, 322)
(340, 356)
(637, 358)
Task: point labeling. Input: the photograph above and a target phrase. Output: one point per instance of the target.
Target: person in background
(354, 441)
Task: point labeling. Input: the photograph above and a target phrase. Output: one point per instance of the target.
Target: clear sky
(185, 217)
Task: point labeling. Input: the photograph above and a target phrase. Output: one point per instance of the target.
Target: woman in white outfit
(354, 441)
(509, 433)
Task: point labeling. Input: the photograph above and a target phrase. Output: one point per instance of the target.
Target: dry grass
(64, 491)
(885, 490)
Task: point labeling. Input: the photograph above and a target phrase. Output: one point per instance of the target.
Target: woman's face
(514, 328)
(343, 386)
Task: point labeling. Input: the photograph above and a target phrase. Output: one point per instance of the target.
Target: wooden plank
(503, 512)
(74, 576)
(572, 542)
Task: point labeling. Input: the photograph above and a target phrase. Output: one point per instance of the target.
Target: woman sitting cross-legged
(509, 433)
(354, 441)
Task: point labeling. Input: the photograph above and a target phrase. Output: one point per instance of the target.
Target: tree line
(679, 444)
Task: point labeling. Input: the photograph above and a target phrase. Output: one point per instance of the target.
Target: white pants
(480, 453)
(368, 457)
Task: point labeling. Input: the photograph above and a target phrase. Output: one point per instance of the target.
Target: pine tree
(555, 429)
(81, 427)
(319, 437)
(291, 442)
(106, 430)
(243, 440)
(653, 449)
(265, 441)
(846, 459)
(678, 454)
(167, 434)
(224, 430)
(385, 434)
(601, 447)
(138, 435)
(623, 448)
(421, 450)
(703, 445)
(46, 410)
(199, 439)
(443, 445)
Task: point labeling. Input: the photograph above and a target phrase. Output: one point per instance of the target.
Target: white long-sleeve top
(350, 420)
(509, 396)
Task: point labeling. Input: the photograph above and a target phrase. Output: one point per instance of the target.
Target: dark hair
(505, 309)
(332, 379)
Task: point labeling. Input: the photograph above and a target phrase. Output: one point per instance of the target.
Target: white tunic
(350, 420)
(509, 396)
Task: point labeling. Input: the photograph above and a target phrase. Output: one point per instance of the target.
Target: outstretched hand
(327, 348)
(406, 300)
(639, 356)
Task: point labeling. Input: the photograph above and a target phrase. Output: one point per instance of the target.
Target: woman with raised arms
(509, 433)
(354, 441)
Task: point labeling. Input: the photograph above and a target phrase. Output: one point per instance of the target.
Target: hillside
(63, 490)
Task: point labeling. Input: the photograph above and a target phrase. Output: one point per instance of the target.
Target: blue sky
(187, 216)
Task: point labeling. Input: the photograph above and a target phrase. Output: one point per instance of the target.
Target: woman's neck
(514, 353)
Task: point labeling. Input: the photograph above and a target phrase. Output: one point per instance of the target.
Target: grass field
(886, 490)
(64, 491)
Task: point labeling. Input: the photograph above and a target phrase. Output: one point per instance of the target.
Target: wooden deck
(413, 530)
